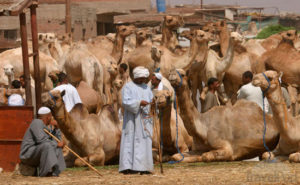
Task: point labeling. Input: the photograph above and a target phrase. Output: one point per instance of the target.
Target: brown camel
(169, 37)
(287, 125)
(224, 133)
(95, 137)
(167, 114)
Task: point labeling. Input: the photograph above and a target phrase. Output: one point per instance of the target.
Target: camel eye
(124, 29)
(270, 78)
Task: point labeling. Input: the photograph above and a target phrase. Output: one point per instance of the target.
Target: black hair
(16, 84)
(61, 77)
(248, 74)
(211, 81)
(124, 66)
(22, 76)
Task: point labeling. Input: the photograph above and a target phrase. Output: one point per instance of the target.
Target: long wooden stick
(84, 161)
(159, 140)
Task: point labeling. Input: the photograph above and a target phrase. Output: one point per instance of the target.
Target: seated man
(15, 99)
(38, 149)
(71, 97)
(211, 98)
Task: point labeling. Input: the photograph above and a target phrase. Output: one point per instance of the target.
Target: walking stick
(84, 161)
(159, 142)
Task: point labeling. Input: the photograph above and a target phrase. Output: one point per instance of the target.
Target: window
(10, 34)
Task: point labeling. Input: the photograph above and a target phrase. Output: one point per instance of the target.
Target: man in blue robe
(136, 141)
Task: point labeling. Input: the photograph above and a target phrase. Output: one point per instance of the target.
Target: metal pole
(35, 50)
(201, 5)
(24, 44)
(68, 16)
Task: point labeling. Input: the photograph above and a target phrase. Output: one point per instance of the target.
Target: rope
(176, 109)
(264, 115)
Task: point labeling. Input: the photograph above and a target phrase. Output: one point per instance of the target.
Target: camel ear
(62, 93)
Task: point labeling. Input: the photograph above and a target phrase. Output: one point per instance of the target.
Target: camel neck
(166, 35)
(203, 51)
(117, 52)
(224, 41)
(188, 111)
(280, 114)
(166, 120)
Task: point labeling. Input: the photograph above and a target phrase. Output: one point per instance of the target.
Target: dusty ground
(198, 173)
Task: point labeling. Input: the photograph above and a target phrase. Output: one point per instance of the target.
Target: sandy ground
(197, 173)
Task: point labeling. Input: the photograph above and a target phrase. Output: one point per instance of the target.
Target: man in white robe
(136, 140)
(71, 97)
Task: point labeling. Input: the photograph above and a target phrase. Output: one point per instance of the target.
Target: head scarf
(158, 76)
(140, 72)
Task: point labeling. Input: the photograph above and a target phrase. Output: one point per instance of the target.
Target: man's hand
(60, 144)
(54, 123)
(143, 103)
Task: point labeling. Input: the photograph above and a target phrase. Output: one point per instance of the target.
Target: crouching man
(38, 149)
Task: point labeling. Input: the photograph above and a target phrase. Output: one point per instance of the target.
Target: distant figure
(71, 97)
(122, 71)
(38, 149)
(211, 98)
(250, 92)
(15, 99)
(136, 140)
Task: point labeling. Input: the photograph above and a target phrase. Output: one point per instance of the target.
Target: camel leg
(266, 156)
(189, 157)
(97, 159)
(223, 152)
(79, 163)
(294, 157)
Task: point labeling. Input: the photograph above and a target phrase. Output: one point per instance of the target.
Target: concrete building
(89, 18)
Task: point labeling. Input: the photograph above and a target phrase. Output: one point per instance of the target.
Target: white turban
(158, 76)
(140, 72)
(15, 100)
(44, 110)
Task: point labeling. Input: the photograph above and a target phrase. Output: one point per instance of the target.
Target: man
(122, 71)
(211, 98)
(38, 149)
(22, 81)
(156, 83)
(71, 97)
(250, 92)
(136, 140)
(15, 99)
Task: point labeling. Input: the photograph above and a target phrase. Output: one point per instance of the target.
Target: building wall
(51, 15)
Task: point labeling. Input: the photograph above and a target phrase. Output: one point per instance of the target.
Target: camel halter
(52, 97)
(180, 84)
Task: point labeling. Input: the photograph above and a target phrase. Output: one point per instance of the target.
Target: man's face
(154, 81)
(246, 80)
(215, 85)
(22, 82)
(121, 70)
(140, 80)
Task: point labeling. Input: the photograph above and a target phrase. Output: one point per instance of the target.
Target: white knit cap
(158, 76)
(140, 72)
(15, 100)
(44, 110)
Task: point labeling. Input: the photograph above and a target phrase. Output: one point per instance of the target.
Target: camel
(142, 36)
(14, 58)
(287, 125)
(9, 72)
(95, 137)
(222, 134)
(169, 37)
(167, 116)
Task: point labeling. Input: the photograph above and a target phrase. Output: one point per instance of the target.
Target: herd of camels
(230, 132)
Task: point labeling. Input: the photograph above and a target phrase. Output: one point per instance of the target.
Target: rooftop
(14, 7)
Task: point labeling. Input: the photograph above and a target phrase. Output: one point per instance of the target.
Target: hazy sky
(283, 5)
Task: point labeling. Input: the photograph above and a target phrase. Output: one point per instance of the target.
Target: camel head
(112, 69)
(209, 27)
(259, 80)
(143, 34)
(173, 22)
(156, 54)
(289, 36)
(65, 38)
(220, 26)
(162, 98)
(53, 99)
(118, 83)
(46, 38)
(177, 78)
(237, 38)
(8, 70)
(125, 31)
(187, 34)
(201, 36)
(53, 75)
(297, 42)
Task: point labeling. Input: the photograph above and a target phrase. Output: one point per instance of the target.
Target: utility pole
(68, 16)
(201, 4)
